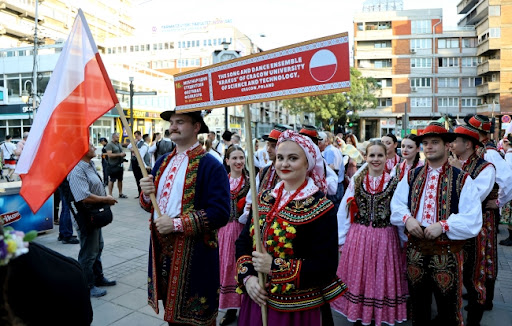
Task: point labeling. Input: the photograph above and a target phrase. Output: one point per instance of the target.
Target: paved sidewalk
(125, 258)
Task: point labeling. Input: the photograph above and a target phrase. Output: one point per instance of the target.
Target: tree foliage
(335, 106)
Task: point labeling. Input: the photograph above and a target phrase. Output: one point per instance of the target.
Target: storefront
(13, 121)
(145, 121)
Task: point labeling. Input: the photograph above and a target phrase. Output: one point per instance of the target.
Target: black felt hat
(196, 115)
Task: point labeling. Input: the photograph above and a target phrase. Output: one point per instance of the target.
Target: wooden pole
(254, 196)
(137, 155)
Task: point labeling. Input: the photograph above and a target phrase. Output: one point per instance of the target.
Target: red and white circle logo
(323, 65)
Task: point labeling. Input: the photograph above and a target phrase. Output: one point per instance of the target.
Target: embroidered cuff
(405, 218)
(145, 202)
(178, 225)
(445, 226)
(244, 268)
(194, 222)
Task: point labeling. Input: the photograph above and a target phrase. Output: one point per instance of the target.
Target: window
(374, 26)
(421, 26)
(421, 62)
(448, 82)
(382, 63)
(387, 82)
(470, 101)
(136, 48)
(382, 44)
(468, 82)
(422, 102)
(469, 42)
(448, 101)
(421, 43)
(448, 43)
(448, 62)
(469, 62)
(385, 102)
(495, 32)
(420, 82)
(359, 26)
(495, 11)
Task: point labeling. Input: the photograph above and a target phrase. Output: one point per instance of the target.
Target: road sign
(505, 119)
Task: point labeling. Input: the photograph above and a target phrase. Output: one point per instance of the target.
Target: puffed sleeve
(468, 221)
(343, 214)
(503, 178)
(399, 209)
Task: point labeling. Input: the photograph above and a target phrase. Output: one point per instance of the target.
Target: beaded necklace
(273, 211)
(372, 190)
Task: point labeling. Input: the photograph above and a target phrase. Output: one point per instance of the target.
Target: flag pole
(137, 155)
(254, 196)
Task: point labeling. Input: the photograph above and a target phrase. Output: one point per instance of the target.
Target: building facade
(420, 67)
(493, 22)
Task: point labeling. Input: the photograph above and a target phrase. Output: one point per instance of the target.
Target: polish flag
(79, 92)
(323, 65)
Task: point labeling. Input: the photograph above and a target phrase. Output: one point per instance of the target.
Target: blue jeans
(89, 257)
(65, 225)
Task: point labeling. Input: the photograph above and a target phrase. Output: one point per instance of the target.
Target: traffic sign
(505, 119)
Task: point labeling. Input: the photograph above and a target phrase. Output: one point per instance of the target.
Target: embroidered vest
(375, 209)
(451, 181)
(234, 211)
(474, 166)
(265, 179)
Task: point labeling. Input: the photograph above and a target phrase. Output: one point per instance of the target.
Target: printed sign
(11, 217)
(315, 67)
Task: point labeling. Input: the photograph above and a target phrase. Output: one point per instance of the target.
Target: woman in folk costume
(371, 262)
(411, 156)
(239, 186)
(298, 227)
(392, 158)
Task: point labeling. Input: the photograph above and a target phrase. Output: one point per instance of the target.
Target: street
(125, 258)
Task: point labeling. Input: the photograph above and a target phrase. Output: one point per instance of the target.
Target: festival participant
(439, 205)
(483, 174)
(506, 210)
(392, 158)
(498, 198)
(300, 243)
(239, 186)
(371, 262)
(411, 155)
(192, 192)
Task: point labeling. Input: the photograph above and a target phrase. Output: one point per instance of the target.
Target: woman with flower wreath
(229, 300)
(298, 228)
(411, 157)
(371, 261)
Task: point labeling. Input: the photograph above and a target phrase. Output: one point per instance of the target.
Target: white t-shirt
(8, 148)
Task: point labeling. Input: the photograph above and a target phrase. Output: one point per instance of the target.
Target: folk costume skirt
(228, 234)
(506, 214)
(372, 264)
(250, 315)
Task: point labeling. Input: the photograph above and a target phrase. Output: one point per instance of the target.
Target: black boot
(228, 318)
(507, 241)
(475, 314)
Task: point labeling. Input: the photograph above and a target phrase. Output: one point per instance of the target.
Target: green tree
(333, 107)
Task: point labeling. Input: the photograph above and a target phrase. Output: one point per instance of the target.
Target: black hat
(226, 135)
(436, 129)
(276, 132)
(195, 115)
(311, 132)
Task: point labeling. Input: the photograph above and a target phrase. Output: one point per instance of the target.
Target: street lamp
(131, 102)
(225, 46)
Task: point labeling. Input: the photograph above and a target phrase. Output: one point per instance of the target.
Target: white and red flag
(79, 92)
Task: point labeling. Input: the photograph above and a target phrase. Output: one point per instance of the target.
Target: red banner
(315, 67)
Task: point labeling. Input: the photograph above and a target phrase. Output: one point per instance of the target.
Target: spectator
(235, 139)
(209, 149)
(115, 165)
(104, 160)
(164, 146)
(21, 144)
(224, 143)
(8, 150)
(87, 189)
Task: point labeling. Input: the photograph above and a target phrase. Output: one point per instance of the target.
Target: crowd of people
(366, 232)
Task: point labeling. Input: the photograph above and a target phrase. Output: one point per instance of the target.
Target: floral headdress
(13, 243)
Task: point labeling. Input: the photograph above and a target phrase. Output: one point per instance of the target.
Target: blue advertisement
(15, 212)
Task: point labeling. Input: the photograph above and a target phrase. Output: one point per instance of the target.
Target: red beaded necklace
(273, 211)
(379, 188)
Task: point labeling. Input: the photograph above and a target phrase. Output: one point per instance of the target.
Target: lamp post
(225, 46)
(27, 97)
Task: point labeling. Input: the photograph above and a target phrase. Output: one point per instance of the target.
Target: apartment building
(493, 22)
(420, 67)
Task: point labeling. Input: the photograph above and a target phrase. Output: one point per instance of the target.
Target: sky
(282, 22)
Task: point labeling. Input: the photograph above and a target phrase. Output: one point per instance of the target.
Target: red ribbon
(353, 210)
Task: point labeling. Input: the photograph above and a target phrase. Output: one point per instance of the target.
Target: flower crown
(14, 244)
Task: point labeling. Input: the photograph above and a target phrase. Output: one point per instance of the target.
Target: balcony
(465, 5)
(490, 44)
(475, 14)
(19, 8)
(488, 66)
(384, 34)
(487, 109)
(488, 88)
